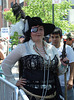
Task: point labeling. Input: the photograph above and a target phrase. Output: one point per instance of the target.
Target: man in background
(56, 37)
(21, 39)
(69, 39)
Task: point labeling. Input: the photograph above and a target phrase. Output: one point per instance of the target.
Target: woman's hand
(70, 84)
(21, 82)
(64, 60)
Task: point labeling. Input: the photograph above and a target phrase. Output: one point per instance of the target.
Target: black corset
(32, 62)
(32, 67)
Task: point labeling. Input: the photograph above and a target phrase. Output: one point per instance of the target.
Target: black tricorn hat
(48, 28)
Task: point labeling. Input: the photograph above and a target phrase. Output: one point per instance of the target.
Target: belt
(39, 85)
(37, 96)
(39, 82)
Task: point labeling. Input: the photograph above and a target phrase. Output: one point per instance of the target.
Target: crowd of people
(1, 55)
(42, 65)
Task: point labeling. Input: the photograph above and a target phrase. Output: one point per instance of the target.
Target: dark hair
(27, 35)
(21, 37)
(57, 30)
(69, 36)
(69, 39)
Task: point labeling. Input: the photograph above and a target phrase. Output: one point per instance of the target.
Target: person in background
(1, 56)
(21, 39)
(69, 39)
(1, 59)
(56, 37)
(46, 38)
(38, 75)
(1, 45)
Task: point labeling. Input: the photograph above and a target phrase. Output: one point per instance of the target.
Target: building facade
(71, 14)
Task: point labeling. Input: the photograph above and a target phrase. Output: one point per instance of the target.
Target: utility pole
(2, 11)
(4, 6)
(7, 8)
(52, 13)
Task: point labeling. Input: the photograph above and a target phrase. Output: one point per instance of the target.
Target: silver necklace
(49, 61)
(40, 53)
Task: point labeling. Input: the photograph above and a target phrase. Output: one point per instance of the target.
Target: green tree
(43, 9)
(9, 16)
(14, 39)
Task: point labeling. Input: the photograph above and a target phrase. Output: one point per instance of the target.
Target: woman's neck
(39, 44)
(40, 49)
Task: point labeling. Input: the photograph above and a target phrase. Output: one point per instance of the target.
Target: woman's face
(37, 33)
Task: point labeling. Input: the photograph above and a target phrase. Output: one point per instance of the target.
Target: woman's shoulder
(21, 45)
(50, 46)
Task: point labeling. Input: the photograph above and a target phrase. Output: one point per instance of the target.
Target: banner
(5, 32)
(56, 1)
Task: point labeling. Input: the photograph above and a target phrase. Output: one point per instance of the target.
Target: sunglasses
(35, 29)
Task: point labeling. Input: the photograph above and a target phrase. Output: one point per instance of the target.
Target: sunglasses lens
(34, 29)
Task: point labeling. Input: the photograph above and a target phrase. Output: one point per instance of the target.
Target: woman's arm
(9, 62)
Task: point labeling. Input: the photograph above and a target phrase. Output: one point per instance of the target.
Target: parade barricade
(8, 91)
(1, 72)
(22, 95)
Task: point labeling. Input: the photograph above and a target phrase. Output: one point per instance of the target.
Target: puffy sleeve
(9, 62)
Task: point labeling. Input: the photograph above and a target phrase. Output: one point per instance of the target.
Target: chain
(37, 50)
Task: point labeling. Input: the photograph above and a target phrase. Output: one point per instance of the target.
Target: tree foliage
(14, 39)
(43, 9)
(8, 15)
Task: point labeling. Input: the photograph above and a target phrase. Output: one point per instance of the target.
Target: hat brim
(48, 28)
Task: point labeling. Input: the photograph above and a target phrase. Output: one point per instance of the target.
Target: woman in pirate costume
(39, 64)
